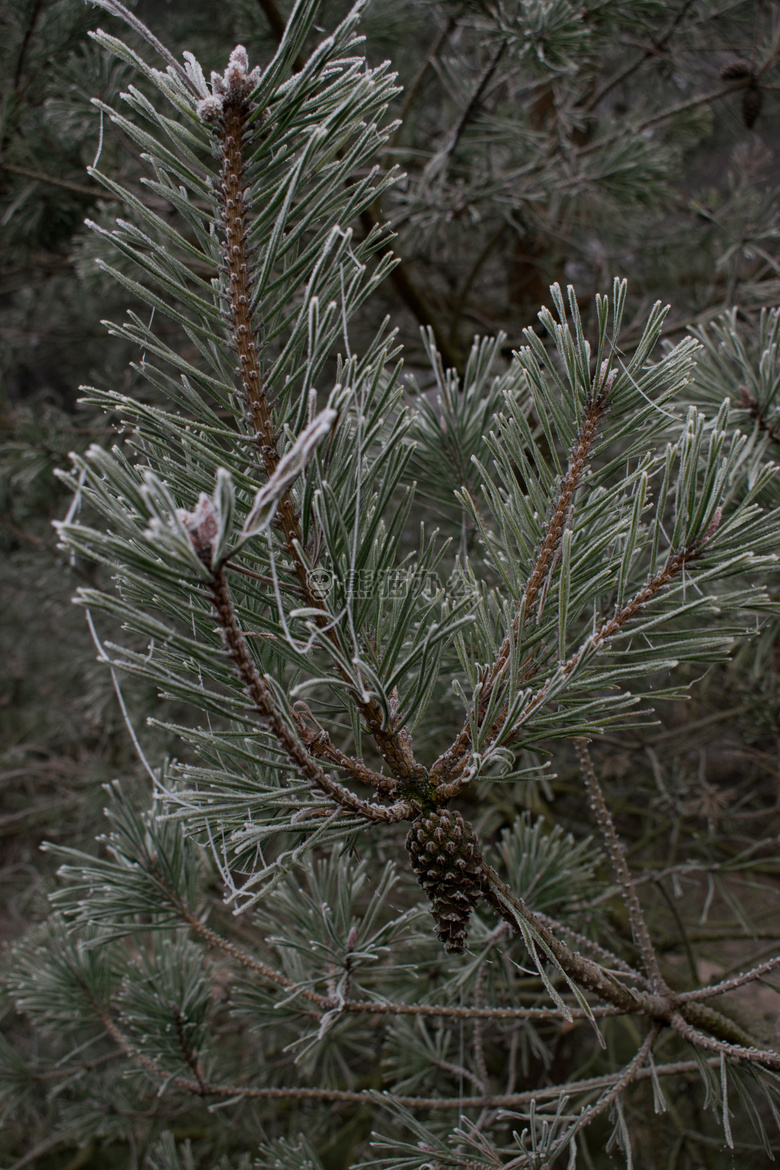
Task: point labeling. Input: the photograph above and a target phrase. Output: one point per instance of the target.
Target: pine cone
(752, 101)
(448, 865)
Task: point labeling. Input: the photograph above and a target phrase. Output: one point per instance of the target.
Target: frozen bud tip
(238, 66)
(605, 381)
(713, 525)
(202, 525)
(231, 87)
(209, 109)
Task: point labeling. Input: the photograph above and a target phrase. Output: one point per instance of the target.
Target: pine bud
(448, 864)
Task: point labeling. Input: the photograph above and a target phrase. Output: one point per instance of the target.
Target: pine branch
(263, 702)
(252, 1093)
(740, 1052)
(449, 761)
(370, 1007)
(319, 743)
(674, 566)
(727, 985)
(584, 972)
(230, 111)
(702, 99)
(659, 45)
(666, 1008)
(617, 856)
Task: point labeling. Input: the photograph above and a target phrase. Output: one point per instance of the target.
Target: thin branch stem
(370, 1007)
(581, 970)
(578, 460)
(686, 942)
(606, 957)
(617, 856)
(187, 1053)
(731, 984)
(239, 955)
(265, 706)
(701, 99)
(450, 1011)
(320, 744)
(39, 176)
(408, 290)
(477, 1031)
(415, 85)
(658, 47)
(248, 1092)
(673, 567)
(734, 1051)
(629, 1074)
(474, 101)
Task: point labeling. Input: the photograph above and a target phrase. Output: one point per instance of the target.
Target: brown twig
(701, 99)
(366, 1007)
(408, 291)
(452, 1012)
(605, 957)
(582, 971)
(265, 706)
(319, 744)
(474, 101)
(345, 1096)
(674, 566)
(478, 1047)
(415, 85)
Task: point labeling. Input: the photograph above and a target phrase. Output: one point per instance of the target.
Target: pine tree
(353, 696)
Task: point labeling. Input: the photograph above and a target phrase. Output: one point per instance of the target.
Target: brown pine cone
(448, 864)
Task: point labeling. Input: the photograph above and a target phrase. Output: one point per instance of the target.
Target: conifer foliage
(344, 681)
